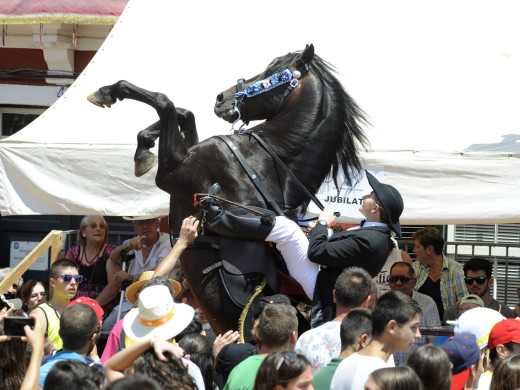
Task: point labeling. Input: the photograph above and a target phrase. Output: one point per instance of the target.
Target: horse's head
(263, 96)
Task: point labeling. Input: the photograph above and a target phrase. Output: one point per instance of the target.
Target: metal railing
(505, 259)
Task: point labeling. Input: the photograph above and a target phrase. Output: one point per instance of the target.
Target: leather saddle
(242, 265)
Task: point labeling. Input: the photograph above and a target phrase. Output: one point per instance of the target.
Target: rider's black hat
(390, 199)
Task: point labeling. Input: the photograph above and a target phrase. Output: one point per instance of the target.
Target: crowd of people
(369, 302)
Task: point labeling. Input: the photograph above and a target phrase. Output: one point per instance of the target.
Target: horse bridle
(275, 80)
(259, 87)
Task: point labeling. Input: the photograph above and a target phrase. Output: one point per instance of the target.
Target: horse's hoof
(99, 100)
(144, 162)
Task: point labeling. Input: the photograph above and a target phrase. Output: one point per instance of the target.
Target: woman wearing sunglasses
(92, 253)
(284, 370)
(437, 276)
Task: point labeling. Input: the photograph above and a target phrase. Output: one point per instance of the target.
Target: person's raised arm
(114, 367)
(36, 338)
(187, 235)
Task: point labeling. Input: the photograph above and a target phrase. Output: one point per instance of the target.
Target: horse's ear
(306, 56)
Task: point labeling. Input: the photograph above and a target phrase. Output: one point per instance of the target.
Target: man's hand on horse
(327, 215)
(189, 232)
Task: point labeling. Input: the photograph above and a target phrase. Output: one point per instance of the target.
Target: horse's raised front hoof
(144, 161)
(101, 99)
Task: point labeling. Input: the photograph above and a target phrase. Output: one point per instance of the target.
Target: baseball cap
(463, 351)
(92, 303)
(504, 332)
(472, 298)
(479, 322)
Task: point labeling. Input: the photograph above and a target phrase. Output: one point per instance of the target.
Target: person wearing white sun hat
(479, 322)
(156, 319)
(157, 315)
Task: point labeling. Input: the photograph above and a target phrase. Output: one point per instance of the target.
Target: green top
(324, 376)
(243, 376)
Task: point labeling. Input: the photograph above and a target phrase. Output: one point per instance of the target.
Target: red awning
(61, 11)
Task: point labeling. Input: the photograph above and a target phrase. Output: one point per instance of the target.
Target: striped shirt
(452, 283)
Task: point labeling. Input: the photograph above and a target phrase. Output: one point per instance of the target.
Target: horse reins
(204, 196)
(283, 166)
(252, 175)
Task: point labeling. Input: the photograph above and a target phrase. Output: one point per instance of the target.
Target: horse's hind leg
(143, 158)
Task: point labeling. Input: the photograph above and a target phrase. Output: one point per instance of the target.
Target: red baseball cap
(505, 331)
(92, 303)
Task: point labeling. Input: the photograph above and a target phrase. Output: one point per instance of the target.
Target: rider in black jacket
(366, 246)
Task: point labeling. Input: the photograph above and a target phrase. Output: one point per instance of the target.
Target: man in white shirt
(395, 326)
(150, 246)
(321, 344)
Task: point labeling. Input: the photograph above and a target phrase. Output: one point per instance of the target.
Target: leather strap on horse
(253, 176)
(281, 163)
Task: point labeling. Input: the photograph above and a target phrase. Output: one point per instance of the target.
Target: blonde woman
(92, 252)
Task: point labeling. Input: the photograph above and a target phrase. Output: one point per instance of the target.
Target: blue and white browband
(271, 82)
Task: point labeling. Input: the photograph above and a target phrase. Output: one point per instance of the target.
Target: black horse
(311, 124)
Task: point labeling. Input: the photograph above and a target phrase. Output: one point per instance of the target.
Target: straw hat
(133, 289)
(157, 315)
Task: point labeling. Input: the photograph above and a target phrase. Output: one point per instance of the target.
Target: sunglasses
(287, 356)
(478, 279)
(68, 278)
(95, 225)
(394, 278)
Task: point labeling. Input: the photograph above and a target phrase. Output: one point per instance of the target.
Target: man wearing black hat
(367, 246)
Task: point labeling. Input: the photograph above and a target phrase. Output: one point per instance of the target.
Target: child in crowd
(64, 282)
(395, 326)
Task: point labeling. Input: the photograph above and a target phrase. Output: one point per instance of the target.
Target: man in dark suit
(366, 246)
(316, 263)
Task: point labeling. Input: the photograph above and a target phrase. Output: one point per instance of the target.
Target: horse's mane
(344, 114)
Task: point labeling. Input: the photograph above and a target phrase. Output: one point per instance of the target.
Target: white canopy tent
(435, 79)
